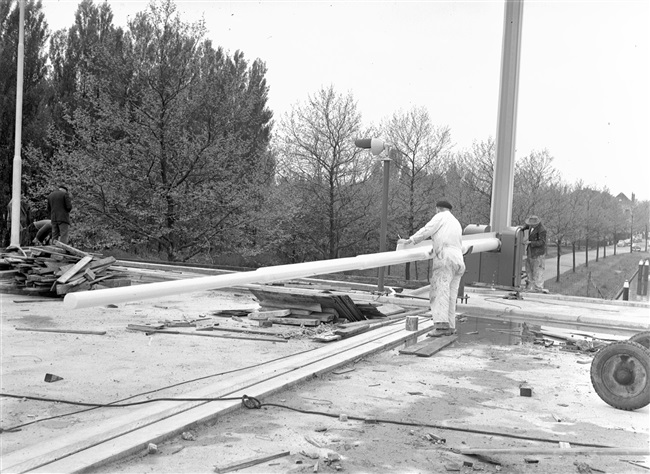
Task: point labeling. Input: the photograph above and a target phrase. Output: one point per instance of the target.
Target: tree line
(170, 151)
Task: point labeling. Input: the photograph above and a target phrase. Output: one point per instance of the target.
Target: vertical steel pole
(17, 171)
(646, 274)
(639, 279)
(504, 164)
(384, 223)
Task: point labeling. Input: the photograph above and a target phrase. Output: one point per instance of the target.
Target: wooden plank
(390, 309)
(559, 451)
(71, 249)
(348, 332)
(41, 278)
(295, 321)
(351, 307)
(89, 275)
(71, 331)
(109, 282)
(244, 330)
(90, 447)
(411, 350)
(326, 338)
(145, 327)
(8, 274)
(103, 263)
(70, 288)
(257, 315)
(76, 269)
(323, 317)
(222, 336)
(254, 461)
(58, 255)
(436, 345)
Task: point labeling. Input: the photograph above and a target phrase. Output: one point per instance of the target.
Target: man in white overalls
(447, 266)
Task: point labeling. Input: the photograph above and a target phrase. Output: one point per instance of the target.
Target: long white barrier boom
(86, 299)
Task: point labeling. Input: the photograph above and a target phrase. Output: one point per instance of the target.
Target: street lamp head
(375, 145)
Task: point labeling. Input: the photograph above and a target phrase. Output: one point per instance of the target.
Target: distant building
(623, 199)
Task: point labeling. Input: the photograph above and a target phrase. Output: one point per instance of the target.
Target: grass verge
(603, 279)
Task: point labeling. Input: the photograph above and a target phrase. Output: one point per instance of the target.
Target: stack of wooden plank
(310, 307)
(59, 269)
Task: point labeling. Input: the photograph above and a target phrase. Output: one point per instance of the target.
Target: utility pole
(377, 146)
(17, 171)
(632, 224)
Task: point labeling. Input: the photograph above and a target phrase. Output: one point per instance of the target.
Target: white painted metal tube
(85, 299)
(484, 242)
(422, 251)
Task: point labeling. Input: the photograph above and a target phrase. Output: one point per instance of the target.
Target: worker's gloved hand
(404, 241)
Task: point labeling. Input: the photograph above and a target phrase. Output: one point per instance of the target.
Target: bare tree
(469, 182)
(421, 146)
(560, 223)
(534, 185)
(320, 164)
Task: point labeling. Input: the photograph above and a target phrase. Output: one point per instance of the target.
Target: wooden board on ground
(348, 332)
(262, 315)
(295, 321)
(249, 462)
(429, 346)
(390, 309)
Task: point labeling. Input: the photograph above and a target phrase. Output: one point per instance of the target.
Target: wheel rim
(624, 375)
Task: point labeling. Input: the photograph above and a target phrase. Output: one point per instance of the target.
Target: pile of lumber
(311, 308)
(59, 269)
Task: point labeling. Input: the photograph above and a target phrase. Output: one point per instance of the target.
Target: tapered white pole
(85, 299)
(17, 171)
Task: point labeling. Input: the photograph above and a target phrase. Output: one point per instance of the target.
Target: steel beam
(504, 164)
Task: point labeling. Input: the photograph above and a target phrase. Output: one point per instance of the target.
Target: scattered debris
(52, 378)
(65, 331)
(312, 441)
(525, 390)
(251, 462)
(152, 448)
(188, 436)
(310, 454)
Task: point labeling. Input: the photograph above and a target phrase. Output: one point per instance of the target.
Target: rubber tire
(609, 389)
(642, 338)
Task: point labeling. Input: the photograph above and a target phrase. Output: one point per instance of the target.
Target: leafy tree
(35, 88)
(170, 139)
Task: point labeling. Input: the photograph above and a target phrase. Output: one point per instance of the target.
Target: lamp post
(376, 146)
(17, 163)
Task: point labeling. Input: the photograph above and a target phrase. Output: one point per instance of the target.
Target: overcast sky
(584, 91)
